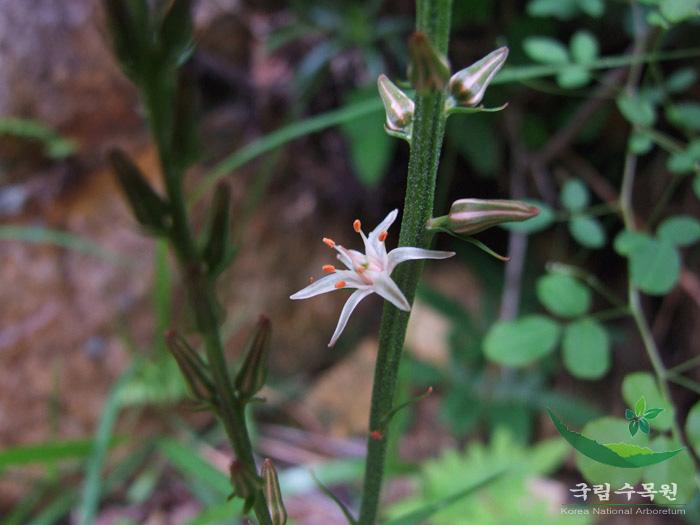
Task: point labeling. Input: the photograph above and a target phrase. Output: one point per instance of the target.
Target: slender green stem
(200, 292)
(633, 295)
(433, 19)
(683, 367)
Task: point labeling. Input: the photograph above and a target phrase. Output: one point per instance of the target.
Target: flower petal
(350, 305)
(384, 225)
(388, 289)
(399, 255)
(323, 285)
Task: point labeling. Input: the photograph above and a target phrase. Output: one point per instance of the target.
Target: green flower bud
(470, 216)
(128, 23)
(245, 482)
(193, 368)
(253, 373)
(399, 108)
(273, 495)
(428, 69)
(467, 87)
(151, 210)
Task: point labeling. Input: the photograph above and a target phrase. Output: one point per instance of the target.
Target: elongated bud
(467, 87)
(128, 24)
(253, 373)
(273, 495)
(470, 216)
(193, 368)
(176, 30)
(149, 208)
(245, 482)
(429, 69)
(215, 250)
(399, 108)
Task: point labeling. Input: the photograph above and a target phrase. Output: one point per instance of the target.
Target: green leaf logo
(640, 416)
(624, 455)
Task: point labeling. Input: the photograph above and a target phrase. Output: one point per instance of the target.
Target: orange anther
(360, 269)
(328, 268)
(329, 242)
(376, 435)
(340, 284)
(383, 235)
(357, 225)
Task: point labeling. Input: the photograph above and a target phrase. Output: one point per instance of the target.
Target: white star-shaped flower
(368, 272)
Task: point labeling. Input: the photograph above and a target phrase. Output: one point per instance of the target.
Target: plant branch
(433, 19)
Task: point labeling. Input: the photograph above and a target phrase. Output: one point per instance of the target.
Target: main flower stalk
(433, 19)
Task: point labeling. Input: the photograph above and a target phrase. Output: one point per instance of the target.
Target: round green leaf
(681, 230)
(588, 232)
(692, 427)
(640, 384)
(678, 469)
(541, 222)
(575, 195)
(573, 76)
(591, 7)
(584, 47)
(586, 349)
(636, 110)
(687, 160)
(655, 266)
(563, 295)
(678, 10)
(681, 80)
(685, 115)
(521, 342)
(609, 430)
(627, 240)
(546, 50)
(640, 143)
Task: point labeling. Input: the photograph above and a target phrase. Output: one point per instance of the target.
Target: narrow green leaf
(623, 455)
(644, 425)
(63, 239)
(634, 426)
(652, 413)
(45, 453)
(92, 488)
(422, 514)
(640, 406)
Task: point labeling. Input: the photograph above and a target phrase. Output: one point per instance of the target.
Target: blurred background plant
(290, 116)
